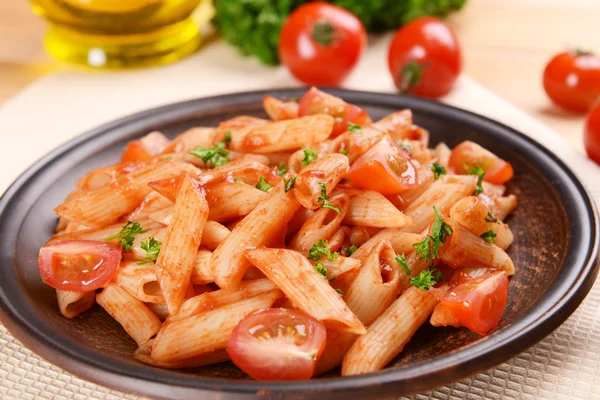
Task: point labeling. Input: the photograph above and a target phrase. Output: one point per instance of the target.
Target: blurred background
(506, 45)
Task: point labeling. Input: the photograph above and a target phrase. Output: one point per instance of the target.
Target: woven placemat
(565, 365)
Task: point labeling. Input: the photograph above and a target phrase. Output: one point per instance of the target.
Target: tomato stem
(323, 32)
(580, 52)
(410, 76)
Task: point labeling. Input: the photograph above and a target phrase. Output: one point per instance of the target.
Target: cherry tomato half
(78, 265)
(144, 149)
(321, 43)
(277, 344)
(385, 167)
(424, 58)
(317, 102)
(476, 304)
(572, 80)
(591, 136)
(468, 155)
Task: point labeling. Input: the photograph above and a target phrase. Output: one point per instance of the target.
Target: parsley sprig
(348, 251)
(426, 278)
(489, 236)
(343, 151)
(309, 156)
(214, 156)
(324, 199)
(288, 184)
(491, 217)
(480, 173)
(320, 268)
(282, 169)
(438, 170)
(429, 247)
(127, 234)
(401, 260)
(320, 249)
(354, 128)
(152, 248)
(263, 185)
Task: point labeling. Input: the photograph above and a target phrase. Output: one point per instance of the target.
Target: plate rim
(484, 353)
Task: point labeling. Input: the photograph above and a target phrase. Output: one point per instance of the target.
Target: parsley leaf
(321, 269)
(491, 217)
(152, 248)
(350, 250)
(309, 156)
(404, 145)
(324, 199)
(426, 278)
(320, 249)
(126, 235)
(282, 169)
(489, 236)
(438, 170)
(401, 260)
(343, 151)
(238, 179)
(479, 172)
(428, 248)
(339, 291)
(354, 128)
(214, 156)
(263, 185)
(288, 184)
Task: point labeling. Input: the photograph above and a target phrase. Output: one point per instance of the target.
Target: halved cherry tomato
(572, 79)
(469, 155)
(321, 43)
(591, 136)
(144, 149)
(277, 344)
(424, 58)
(477, 303)
(385, 167)
(317, 102)
(78, 265)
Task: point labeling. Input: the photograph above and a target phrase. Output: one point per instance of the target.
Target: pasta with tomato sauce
(291, 246)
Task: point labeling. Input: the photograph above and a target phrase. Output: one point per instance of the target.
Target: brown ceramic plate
(555, 251)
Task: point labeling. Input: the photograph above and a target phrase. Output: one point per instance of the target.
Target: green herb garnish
(324, 199)
(126, 235)
(152, 248)
(438, 170)
(263, 185)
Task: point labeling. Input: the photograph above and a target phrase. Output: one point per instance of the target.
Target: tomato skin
(431, 44)
(92, 264)
(290, 344)
(591, 136)
(468, 155)
(477, 303)
(375, 169)
(318, 62)
(134, 152)
(317, 102)
(572, 80)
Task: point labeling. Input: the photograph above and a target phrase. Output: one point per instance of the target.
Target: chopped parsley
(288, 184)
(479, 172)
(309, 156)
(354, 128)
(214, 156)
(238, 179)
(339, 291)
(350, 250)
(401, 260)
(282, 169)
(404, 145)
(426, 278)
(126, 235)
(489, 236)
(428, 249)
(320, 249)
(263, 185)
(343, 151)
(438, 170)
(324, 199)
(320, 268)
(491, 217)
(152, 248)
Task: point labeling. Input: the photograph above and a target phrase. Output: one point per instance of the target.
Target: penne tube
(100, 234)
(162, 215)
(213, 234)
(391, 331)
(337, 240)
(402, 242)
(152, 203)
(143, 354)
(471, 213)
(359, 235)
(159, 309)
(228, 201)
(201, 273)
(71, 304)
(299, 219)
(279, 110)
(371, 208)
(178, 252)
(305, 287)
(324, 172)
(291, 134)
(493, 190)
(408, 196)
(106, 205)
(140, 281)
(227, 263)
(504, 206)
(238, 129)
(205, 332)
(190, 139)
(138, 321)
(442, 155)
(339, 266)
(219, 298)
(322, 225)
(464, 249)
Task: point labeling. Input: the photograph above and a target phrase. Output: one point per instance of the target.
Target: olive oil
(119, 33)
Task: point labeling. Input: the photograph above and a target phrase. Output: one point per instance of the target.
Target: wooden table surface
(506, 44)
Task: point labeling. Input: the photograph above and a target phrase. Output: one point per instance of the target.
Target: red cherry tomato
(476, 304)
(591, 136)
(321, 43)
(572, 80)
(385, 168)
(317, 102)
(424, 58)
(468, 155)
(277, 344)
(78, 265)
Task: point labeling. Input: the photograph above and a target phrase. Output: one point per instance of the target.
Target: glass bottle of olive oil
(119, 33)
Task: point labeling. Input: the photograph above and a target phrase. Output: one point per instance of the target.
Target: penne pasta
(140, 281)
(201, 273)
(71, 304)
(402, 242)
(190, 139)
(339, 266)
(143, 354)
(370, 208)
(320, 175)
(279, 110)
(228, 201)
(214, 234)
